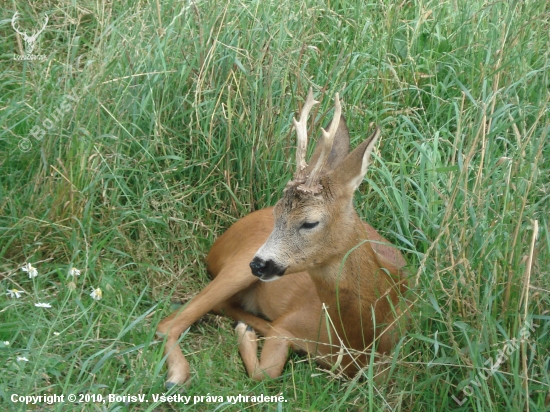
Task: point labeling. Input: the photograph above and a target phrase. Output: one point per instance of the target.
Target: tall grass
(174, 120)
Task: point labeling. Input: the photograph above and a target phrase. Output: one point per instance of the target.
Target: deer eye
(309, 225)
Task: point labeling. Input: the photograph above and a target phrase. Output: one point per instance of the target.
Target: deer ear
(339, 151)
(350, 173)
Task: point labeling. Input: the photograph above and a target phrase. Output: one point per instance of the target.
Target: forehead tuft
(294, 198)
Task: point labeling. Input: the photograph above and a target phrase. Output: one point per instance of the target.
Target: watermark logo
(30, 40)
(50, 123)
(494, 363)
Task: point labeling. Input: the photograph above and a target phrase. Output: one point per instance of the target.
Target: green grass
(182, 125)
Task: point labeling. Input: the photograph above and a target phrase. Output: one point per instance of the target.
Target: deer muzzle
(266, 270)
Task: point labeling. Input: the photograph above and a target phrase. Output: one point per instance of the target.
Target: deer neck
(347, 285)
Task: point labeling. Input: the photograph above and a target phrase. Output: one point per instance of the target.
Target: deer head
(315, 221)
(30, 41)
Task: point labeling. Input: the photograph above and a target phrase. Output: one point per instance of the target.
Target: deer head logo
(30, 41)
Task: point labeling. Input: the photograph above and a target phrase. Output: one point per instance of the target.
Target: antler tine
(311, 184)
(301, 132)
(13, 22)
(46, 20)
(36, 33)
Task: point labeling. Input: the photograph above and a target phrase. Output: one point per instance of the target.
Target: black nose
(265, 268)
(257, 266)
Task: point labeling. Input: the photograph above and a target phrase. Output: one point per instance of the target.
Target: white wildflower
(42, 305)
(14, 293)
(74, 272)
(96, 294)
(57, 333)
(22, 359)
(6, 343)
(30, 269)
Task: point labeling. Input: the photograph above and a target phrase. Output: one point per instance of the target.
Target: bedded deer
(306, 274)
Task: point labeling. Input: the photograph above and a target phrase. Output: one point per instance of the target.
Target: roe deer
(334, 265)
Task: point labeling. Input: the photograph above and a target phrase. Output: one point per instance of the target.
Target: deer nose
(258, 267)
(265, 268)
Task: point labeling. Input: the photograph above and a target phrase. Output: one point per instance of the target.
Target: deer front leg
(178, 367)
(273, 357)
(225, 285)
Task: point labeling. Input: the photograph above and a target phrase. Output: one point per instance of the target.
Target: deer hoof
(177, 377)
(241, 327)
(183, 384)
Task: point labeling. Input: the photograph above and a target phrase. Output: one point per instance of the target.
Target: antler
(43, 26)
(29, 39)
(13, 20)
(301, 132)
(312, 182)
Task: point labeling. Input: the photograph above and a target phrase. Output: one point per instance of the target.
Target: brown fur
(343, 263)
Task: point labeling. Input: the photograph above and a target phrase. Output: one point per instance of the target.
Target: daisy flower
(22, 359)
(30, 269)
(96, 294)
(74, 272)
(6, 343)
(14, 293)
(42, 305)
